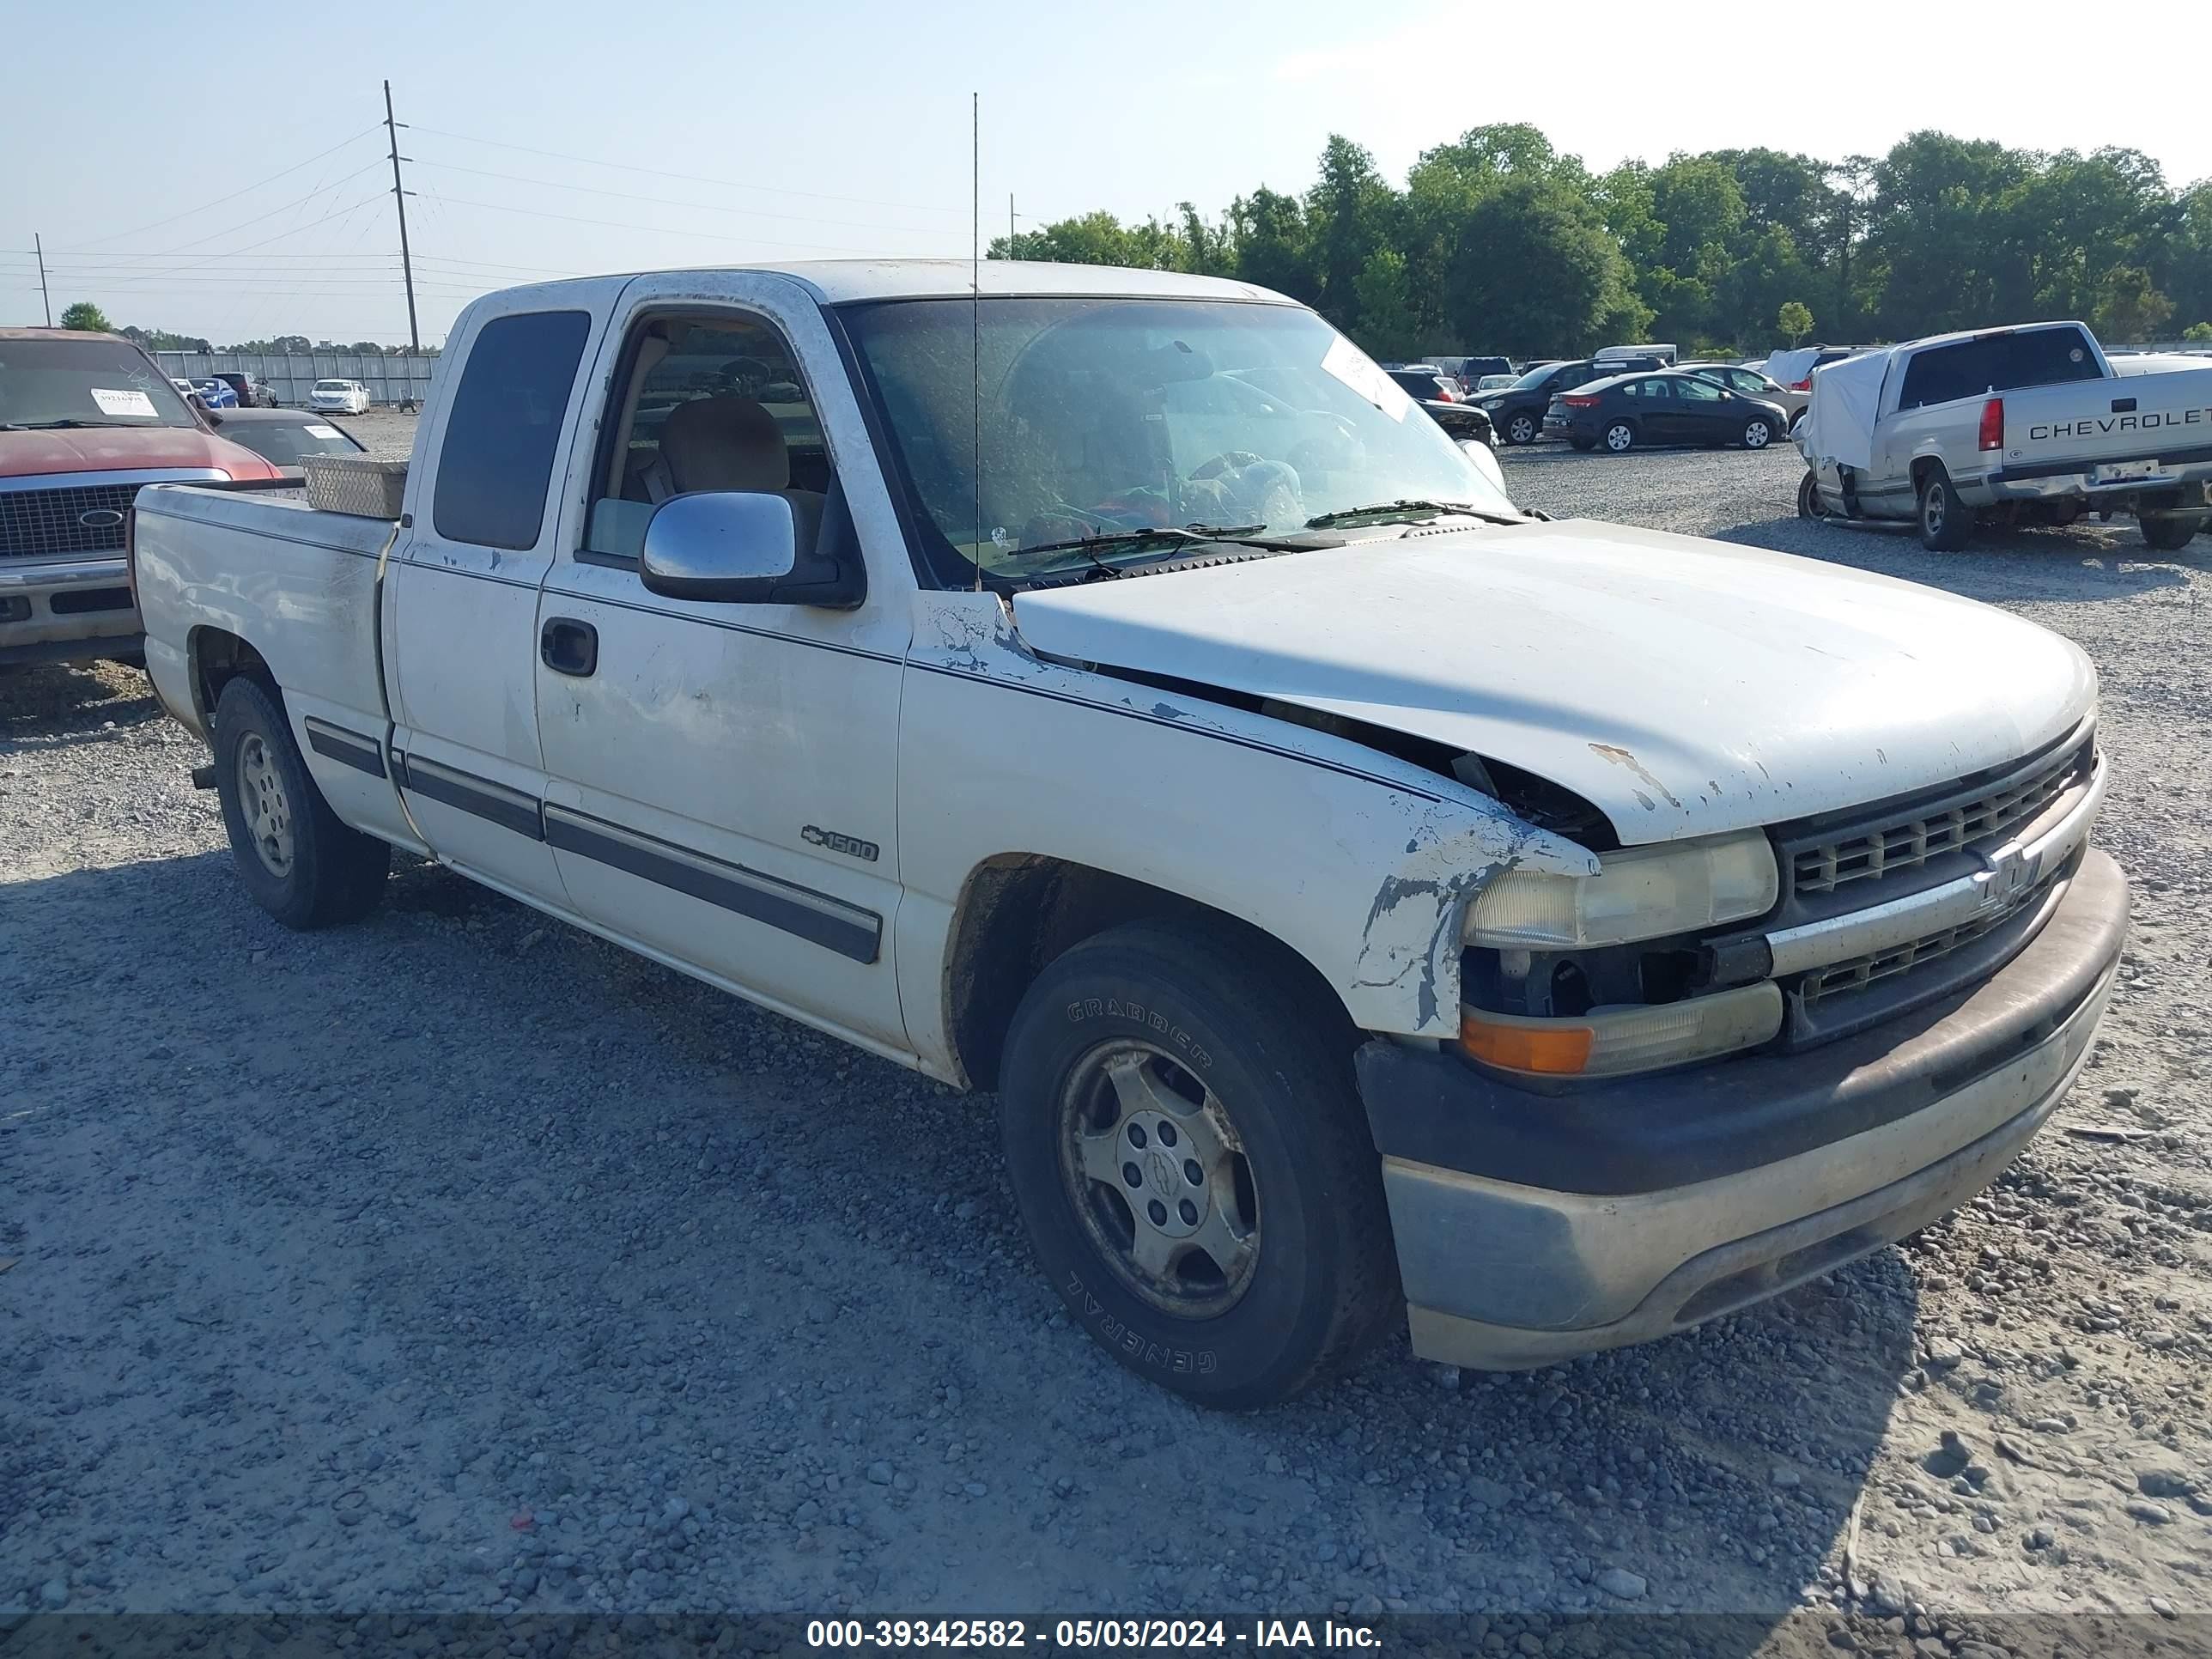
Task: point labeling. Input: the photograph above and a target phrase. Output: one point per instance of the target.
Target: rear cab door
(461, 603)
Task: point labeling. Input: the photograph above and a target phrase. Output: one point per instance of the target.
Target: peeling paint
(1619, 756)
(1412, 927)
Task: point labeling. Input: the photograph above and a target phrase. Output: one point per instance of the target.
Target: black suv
(1517, 410)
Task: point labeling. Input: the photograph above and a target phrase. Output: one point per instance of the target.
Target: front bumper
(65, 610)
(1532, 1227)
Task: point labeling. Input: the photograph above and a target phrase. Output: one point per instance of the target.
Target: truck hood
(1683, 687)
(117, 449)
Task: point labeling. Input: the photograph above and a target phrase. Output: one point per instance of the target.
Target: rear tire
(1520, 427)
(1250, 1070)
(299, 863)
(1619, 438)
(1945, 523)
(2168, 532)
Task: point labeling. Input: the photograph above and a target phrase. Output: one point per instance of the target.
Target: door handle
(568, 647)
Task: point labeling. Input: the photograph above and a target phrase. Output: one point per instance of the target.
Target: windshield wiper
(1384, 512)
(50, 426)
(1241, 535)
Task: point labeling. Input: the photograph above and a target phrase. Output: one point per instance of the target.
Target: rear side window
(504, 425)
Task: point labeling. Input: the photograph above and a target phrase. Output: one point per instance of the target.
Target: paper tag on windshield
(322, 431)
(1349, 364)
(124, 402)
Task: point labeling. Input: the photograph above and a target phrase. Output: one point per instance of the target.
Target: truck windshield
(1098, 417)
(66, 383)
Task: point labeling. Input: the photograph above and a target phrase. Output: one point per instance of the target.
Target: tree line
(85, 314)
(1498, 243)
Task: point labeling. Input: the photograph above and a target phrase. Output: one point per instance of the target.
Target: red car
(85, 419)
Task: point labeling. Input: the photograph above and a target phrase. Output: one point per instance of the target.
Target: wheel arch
(1019, 912)
(215, 656)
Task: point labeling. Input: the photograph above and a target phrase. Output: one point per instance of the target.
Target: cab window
(706, 403)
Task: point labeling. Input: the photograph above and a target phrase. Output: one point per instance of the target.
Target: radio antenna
(976, 312)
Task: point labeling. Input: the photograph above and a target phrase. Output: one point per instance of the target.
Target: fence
(389, 379)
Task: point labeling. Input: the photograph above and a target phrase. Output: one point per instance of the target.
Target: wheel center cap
(1163, 1174)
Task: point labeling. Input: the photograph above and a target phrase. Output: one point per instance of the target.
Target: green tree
(1274, 244)
(1352, 211)
(1794, 321)
(1536, 271)
(1938, 232)
(85, 315)
(2129, 310)
(2198, 334)
(160, 339)
(1390, 327)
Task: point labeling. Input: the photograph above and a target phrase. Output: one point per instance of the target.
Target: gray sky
(231, 180)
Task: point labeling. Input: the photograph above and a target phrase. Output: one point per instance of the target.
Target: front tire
(1619, 438)
(1582, 443)
(1520, 427)
(2167, 532)
(1250, 1255)
(1945, 521)
(1808, 496)
(299, 863)
(1758, 432)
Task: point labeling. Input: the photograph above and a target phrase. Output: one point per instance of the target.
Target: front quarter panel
(1360, 863)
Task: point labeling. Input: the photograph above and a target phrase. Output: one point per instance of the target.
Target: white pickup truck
(2031, 422)
(1360, 895)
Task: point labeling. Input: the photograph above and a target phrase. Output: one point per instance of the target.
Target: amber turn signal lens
(1560, 1050)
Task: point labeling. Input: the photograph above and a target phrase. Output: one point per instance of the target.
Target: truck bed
(211, 563)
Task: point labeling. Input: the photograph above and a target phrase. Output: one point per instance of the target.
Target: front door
(1704, 414)
(721, 778)
(464, 600)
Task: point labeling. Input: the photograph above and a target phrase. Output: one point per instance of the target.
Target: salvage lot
(459, 1260)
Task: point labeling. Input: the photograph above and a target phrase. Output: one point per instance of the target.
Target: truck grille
(1840, 976)
(1914, 834)
(35, 522)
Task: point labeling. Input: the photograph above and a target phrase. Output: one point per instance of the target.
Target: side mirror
(1484, 459)
(748, 547)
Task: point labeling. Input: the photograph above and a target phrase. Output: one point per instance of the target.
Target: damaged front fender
(1411, 943)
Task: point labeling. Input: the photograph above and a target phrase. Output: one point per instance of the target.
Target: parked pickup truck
(85, 419)
(2031, 422)
(1360, 893)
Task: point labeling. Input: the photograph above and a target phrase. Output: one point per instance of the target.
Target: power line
(704, 207)
(659, 230)
(121, 234)
(690, 178)
(232, 229)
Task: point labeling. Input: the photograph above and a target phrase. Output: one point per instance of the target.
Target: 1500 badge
(851, 846)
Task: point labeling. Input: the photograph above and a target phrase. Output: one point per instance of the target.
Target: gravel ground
(458, 1261)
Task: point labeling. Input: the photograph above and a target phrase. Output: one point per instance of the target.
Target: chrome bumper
(33, 630)
(1503, 1274)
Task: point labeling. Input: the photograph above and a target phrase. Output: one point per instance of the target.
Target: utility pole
(44, 298)
(406, 261)
(1011, 232)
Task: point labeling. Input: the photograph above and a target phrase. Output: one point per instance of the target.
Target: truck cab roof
(848, 282)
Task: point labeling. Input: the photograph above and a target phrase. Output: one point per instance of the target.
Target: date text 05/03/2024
(1076, 1634)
